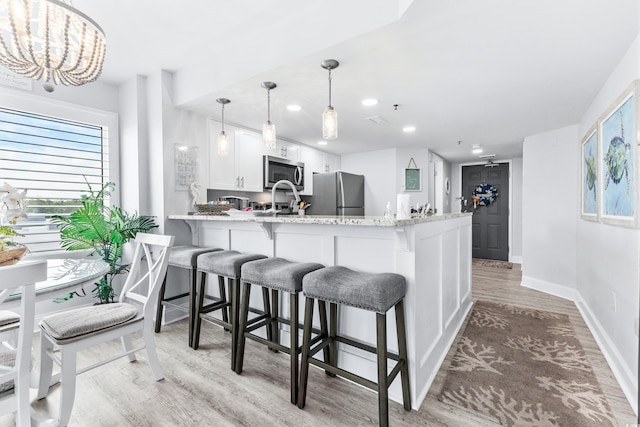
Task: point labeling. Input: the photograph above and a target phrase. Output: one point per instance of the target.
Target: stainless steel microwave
(276, 169)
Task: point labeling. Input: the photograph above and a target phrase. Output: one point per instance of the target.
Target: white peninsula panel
(432, 253)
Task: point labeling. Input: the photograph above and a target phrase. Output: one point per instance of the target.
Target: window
(55, 160)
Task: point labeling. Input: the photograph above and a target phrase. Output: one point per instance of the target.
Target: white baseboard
(624, 375)
(550, 288)
(516, 259)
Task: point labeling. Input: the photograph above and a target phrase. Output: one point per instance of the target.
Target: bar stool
(184, 256)
(372, 292)
(277, 274)
(224, 264)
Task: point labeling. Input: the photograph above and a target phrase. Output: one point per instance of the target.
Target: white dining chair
(16, 334)
(63, 334)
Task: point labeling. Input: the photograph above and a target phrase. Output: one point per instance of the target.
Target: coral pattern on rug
(524, 367)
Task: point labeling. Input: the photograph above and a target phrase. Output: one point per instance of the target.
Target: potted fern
(105, 231)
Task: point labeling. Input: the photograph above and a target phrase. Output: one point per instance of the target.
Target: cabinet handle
(237, 181)
(326, 167)
(242, 182)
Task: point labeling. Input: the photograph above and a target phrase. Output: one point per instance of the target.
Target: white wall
(384, 176)
(380, 184)
(608, 258)
(516, 210)
(550, 202)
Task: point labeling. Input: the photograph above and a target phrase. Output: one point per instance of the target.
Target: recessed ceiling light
(322, 142)
(294, 107)
(369, 102)
(409, 129)
(476, 149)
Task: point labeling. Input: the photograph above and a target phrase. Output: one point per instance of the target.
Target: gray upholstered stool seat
(372, 292)
(277, 274)
(225, 264)
(186, 257)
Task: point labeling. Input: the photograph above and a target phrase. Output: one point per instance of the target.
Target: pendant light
(223, 142)
(268, 128)
(330, 116)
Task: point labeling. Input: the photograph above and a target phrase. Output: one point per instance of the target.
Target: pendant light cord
(269, 106)
(329, 87)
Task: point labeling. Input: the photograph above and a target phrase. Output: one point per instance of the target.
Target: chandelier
(52, 41)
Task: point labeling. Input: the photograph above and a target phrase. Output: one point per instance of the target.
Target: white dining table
(64, 276)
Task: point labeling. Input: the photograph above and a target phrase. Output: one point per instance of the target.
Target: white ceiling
(485, 72)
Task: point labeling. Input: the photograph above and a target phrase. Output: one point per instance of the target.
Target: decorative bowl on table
(12, 254)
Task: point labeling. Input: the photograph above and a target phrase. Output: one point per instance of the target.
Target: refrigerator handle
(341, 184)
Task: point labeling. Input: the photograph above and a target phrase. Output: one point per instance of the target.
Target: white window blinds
(53, 159)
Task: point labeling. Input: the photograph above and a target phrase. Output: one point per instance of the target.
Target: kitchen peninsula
(433, 253)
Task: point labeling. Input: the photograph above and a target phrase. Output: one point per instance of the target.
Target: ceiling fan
(489, 158)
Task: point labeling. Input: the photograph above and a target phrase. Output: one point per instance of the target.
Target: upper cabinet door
(287, 150)
(331, 162)
(222, 174)
(313, 163)
(249, 166)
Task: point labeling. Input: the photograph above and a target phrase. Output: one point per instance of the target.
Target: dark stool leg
(306, 344)
(266, 304)
(326, 351)
(275, 332)
(235, 301)
(383, 386)
(193, 279)
(293, 345)
(402, 352)
(242, 325)
(333, 331)
(195, 322)
(160, 305)
(223, 297)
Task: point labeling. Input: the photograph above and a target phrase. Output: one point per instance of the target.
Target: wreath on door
(484, 195)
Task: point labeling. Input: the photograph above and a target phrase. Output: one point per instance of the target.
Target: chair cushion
(225, 263)
(277, 273)
(185, 256)
(370, 291)
(85, 320)
(7, 359)
(8, 317)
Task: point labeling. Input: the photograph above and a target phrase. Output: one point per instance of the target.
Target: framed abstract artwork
(617, 170)
(589, 196)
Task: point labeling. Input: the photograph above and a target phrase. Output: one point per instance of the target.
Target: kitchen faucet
(273, 192)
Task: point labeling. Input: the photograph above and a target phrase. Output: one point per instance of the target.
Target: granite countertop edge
(378, 221)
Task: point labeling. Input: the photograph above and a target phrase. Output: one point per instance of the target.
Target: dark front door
(490, 229)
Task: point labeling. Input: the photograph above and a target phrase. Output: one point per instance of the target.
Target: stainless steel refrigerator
(337, 193)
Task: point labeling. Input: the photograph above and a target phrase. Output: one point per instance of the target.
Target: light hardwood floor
(199, 388)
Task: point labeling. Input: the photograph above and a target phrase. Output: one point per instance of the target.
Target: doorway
(490, 224)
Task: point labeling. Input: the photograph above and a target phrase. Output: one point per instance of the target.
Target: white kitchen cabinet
(331, 162)
(241, 168)
(287, 150)
(316, 161)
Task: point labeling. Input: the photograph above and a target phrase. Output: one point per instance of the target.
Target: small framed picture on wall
(617, 167)
(589, 196)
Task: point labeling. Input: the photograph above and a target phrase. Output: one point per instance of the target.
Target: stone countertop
(377, 221)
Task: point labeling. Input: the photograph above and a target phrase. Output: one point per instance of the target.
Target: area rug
(492, 263)
(524, 367)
